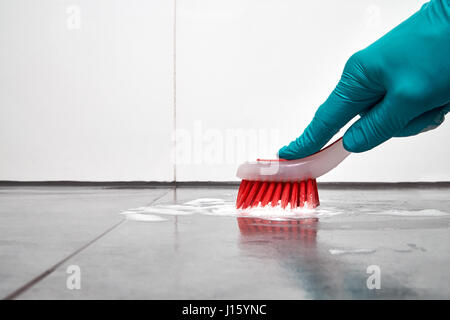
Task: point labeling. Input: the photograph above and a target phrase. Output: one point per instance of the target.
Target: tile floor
(405, 232)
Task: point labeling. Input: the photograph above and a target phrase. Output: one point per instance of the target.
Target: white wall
(85, 103)
(96, 103)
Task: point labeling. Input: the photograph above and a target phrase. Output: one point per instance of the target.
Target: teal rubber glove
(399, 85)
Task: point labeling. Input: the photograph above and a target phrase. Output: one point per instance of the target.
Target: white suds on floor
(407, 213)
(143, 217)
(220, 207)
(351, 251)
(165, 210)
(205, 201)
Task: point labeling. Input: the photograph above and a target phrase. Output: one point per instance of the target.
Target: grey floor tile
(41, 226)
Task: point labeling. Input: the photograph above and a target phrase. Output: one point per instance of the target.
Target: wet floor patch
(221, 207)
(351, 251)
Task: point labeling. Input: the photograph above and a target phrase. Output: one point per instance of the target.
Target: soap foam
(176, 210)
(204, 201)
(351, 251)
(143, 217)
(220, 207)
(407, 213)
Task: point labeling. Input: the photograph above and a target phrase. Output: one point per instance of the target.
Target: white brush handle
(310, 167)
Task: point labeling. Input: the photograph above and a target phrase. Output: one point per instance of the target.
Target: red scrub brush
(283, 182)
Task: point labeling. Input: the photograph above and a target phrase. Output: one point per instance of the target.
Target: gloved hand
(400, 85)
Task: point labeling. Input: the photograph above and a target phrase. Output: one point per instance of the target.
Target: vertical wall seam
(174, 91)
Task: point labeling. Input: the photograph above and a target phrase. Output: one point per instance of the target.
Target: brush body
(287, 183)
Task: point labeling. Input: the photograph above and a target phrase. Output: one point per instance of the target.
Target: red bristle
(249, 198)
(294, 195)
(312, 195)
(302, 194)
(244, 194)
(309, 192)
(268, 195)
(241, 190)
(260, 194)
(277, 194)
(286, 194)
(316, 194)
